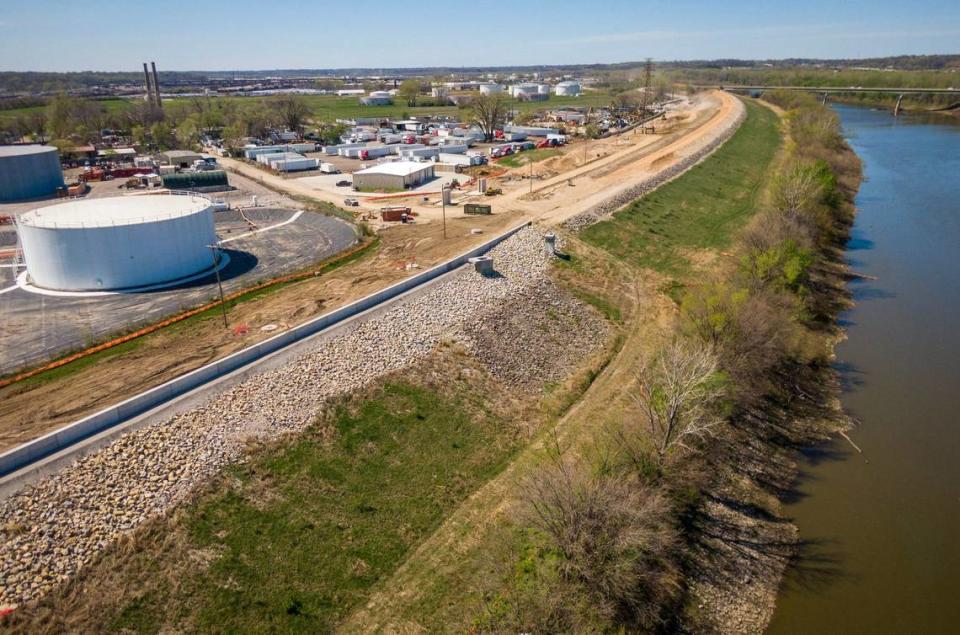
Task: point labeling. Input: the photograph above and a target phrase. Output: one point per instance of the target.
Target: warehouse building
(179, 158)
(399, 175)
(29, 171)
(117, 243)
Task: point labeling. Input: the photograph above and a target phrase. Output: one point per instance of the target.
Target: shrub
(615, 538)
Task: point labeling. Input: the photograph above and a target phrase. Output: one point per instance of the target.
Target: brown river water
(881, 529)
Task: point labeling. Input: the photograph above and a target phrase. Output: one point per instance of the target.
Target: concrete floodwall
(30, 452)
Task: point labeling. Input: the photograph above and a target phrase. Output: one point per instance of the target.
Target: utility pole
(531, 176)
(443, 203)
(216, 271)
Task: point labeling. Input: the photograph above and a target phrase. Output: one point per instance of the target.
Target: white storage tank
(490, 89)
(29, 171)
(118, 242)
(567, 89)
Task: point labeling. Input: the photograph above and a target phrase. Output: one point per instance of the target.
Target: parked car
(344, 183)
(220, 205)
(351, 202)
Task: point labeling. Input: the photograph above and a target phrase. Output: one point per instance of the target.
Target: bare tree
(796, 189)
(293, 112)
(615, 535)
(489, 113)
(679, 393)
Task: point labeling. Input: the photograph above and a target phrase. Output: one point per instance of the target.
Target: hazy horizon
(99, 35)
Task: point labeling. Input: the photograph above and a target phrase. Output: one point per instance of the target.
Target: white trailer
(453, 148)
(532, 131)
(253, 153)
(422, 153)
(294, 165)
(460, 159)
(329, 168)
(335, 149)
(266, 159)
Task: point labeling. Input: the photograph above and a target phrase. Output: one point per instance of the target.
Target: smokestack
(156, 84)
(146, 77)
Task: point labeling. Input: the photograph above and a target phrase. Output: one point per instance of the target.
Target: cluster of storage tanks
(117, 243)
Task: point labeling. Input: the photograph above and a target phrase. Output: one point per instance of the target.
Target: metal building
(29, 171)
(399, 175)
(117, 243)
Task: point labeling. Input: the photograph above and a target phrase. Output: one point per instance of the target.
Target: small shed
(399, 175)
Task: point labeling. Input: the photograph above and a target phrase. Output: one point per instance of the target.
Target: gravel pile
(536, 338)
(54, 527)
(606, 208)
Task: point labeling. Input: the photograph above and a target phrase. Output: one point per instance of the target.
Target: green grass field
(306, 528)
(331, 107)
(700, 210)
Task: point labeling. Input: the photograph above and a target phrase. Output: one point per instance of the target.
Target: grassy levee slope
(699, 211)
(309, 527)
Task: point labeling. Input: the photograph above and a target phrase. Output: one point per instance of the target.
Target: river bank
(775, 314)
(878, 552)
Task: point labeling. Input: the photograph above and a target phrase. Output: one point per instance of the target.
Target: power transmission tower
(647, 83)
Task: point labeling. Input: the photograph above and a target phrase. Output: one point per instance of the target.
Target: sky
(61, 35)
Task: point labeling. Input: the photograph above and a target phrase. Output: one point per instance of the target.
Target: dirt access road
(565, 185)
(27, 411)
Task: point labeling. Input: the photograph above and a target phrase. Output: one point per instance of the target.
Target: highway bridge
(827, 90)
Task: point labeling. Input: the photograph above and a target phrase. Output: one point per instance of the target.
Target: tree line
(613, 529)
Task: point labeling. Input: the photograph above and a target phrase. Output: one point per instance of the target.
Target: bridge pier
(896, 109)
(824, 101)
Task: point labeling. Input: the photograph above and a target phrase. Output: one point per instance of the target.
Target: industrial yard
(419, 191)
(275, 237)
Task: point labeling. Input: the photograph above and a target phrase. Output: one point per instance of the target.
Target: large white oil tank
(567, 89)
(543, 89)
(118, 242)
(527, 88)
(29, 171)
(490, 89)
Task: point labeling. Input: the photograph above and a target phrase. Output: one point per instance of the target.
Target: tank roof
(113, 211)
(19, 151)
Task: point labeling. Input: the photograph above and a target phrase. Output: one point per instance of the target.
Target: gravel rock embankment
(623, 198)
(52, 528)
